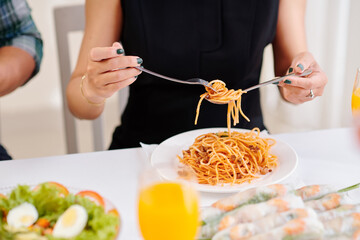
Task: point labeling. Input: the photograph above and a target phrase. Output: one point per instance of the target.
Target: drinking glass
(355, 105)
(167, 209)
(355, 98)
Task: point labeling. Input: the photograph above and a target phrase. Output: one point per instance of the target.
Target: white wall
(31, 117)
(333, 37)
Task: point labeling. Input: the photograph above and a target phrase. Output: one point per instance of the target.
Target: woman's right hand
(108, 71)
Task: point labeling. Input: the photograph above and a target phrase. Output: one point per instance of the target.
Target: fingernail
(301, 66)
(136, 76)
(120, 51)
(276, 83)
(139, 60)
(287, 81)
(290, 70)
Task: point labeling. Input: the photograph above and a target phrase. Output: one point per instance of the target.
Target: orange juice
(167, 211)
(355, 101)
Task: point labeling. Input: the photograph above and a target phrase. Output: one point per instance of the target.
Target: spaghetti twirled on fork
(224, 96)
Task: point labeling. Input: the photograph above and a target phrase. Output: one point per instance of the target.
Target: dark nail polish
(136, 77)
(287, 81)
(291, 70)
(139, 61)
(120, 51)
(276, 83)
(301, 66)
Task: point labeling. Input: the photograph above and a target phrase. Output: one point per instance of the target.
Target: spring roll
(346, 236)
(312, 192)
(328, 202)
(250, 196)
(343, 237)
(341, 211)
(246, 230)
(297, 229)
(250, 213)
(261, 194)
(342, 225)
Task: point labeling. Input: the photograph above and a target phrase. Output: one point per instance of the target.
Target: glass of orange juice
(167, 209)
(355, 99)
(355, 105)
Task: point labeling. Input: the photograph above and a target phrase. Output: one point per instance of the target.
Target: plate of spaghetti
(249, 158)
(223, 160)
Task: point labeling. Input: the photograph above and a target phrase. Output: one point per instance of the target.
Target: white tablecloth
(327, 156)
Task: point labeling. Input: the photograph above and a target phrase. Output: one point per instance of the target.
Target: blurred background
(32, 119)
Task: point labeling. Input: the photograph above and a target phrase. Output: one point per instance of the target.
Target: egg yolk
(69, 217)
(26, 219)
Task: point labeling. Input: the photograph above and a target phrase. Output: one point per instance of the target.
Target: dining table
(326, 156)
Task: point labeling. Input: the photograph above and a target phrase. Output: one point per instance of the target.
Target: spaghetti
(217, 158)
(229, 157)
(224, 96)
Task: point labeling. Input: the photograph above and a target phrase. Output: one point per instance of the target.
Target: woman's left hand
(298, 90)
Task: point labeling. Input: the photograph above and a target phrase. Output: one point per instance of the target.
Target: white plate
(167, 151)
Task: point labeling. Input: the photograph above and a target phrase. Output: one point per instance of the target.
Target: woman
(210, 39)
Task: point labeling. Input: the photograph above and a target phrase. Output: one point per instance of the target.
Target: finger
(302, 62)
(312, 81)
(298, 95)
(116, 76)
(100, 53)
(292, 94)
(117, 45)
(113, 87)
(120, 62)
(311, 94)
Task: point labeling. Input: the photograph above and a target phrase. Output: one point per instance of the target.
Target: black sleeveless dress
(210, 39)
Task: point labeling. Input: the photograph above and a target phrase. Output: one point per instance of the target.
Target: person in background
(209, 39)
(20, 49)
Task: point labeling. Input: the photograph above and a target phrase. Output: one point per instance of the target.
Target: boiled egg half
(23, 215)
(71, 222)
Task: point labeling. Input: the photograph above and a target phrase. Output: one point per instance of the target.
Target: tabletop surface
(329, 156)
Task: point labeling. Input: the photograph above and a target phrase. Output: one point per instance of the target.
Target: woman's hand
(108, 71)
(302, 89)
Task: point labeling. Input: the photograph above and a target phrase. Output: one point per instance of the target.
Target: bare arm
(21, 46)
(16, 67)
(291, 55)
(290, 39)
(97, 59)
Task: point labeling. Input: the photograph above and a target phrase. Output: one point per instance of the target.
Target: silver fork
(278, 79)
(188, 81)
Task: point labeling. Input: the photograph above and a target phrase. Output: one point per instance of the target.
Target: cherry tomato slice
(93, 196)
(63, 190)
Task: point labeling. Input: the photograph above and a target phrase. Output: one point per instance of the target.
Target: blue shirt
(18, 29)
